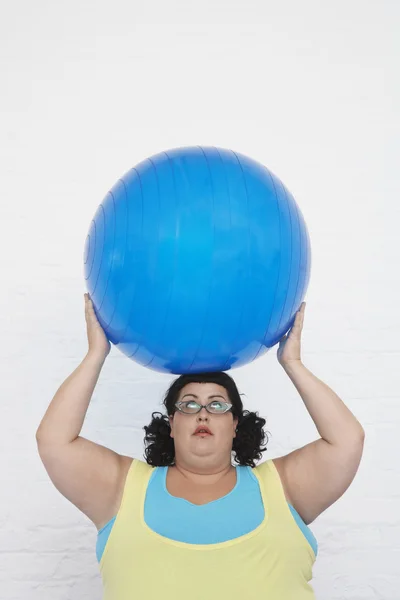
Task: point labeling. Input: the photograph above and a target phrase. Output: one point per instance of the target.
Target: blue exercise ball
(197, 259)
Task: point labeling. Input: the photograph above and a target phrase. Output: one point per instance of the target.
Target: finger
(300, 315)
(297, 322)
(89, 305)
(91, 315)
(89, 312)
(296, 329)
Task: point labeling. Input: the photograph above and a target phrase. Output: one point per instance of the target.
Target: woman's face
(216, 447)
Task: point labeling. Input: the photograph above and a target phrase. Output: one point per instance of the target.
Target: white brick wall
(89, 89)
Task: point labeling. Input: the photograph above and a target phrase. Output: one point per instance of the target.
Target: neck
(205, 474)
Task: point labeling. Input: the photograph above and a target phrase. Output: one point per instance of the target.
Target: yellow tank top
(274, 561)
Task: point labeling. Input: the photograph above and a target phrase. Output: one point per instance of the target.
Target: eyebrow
(212, 396)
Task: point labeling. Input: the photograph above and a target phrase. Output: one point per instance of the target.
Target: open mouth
(202, 433)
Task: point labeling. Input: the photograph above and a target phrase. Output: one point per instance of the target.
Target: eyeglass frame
(230, 405)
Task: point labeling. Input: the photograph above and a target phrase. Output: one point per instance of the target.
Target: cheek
(225, 429)
(182, 426)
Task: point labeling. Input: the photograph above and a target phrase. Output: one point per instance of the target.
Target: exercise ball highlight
(197, 259)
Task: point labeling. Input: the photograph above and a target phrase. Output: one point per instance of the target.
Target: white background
(89, 89)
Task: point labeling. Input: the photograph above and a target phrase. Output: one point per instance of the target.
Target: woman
(186, 522)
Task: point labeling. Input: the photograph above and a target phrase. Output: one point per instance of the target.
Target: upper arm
(91, 476)
(318, 474)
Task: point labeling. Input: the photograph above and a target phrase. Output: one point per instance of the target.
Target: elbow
(361, 434)
(356, 434)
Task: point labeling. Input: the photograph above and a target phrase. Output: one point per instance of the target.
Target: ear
(171, 420)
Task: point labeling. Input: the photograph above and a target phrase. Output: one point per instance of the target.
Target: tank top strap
(270, 479)
(136, 482)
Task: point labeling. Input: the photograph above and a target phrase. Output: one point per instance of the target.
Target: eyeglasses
(192, 407)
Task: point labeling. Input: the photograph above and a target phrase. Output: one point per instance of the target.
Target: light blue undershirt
(219, 517)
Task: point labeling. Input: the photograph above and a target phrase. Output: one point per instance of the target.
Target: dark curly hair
(250, 435)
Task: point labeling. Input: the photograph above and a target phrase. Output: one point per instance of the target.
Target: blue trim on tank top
(301, 524)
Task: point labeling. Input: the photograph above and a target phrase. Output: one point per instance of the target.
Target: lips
(202, 430)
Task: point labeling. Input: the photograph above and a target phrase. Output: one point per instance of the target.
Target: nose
(203, 408)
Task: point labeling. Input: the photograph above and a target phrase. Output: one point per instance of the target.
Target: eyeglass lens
(192, 407)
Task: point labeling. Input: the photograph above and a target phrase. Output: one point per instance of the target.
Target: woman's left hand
(289, 344)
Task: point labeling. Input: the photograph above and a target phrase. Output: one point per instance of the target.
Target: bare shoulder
(89, 475)
(317, 475)
(126, 462)
(279, 464)
(125, 465)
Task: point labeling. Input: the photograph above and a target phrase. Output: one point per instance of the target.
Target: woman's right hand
(99, 346)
